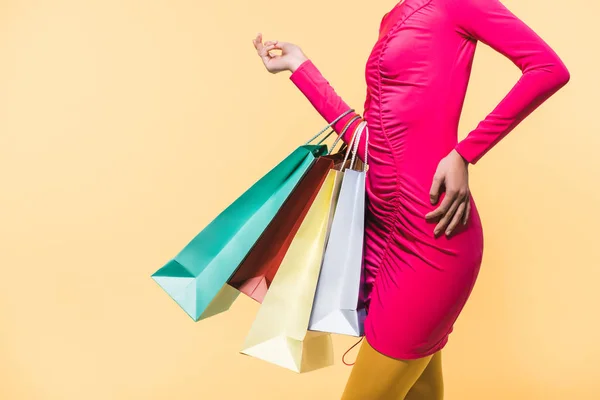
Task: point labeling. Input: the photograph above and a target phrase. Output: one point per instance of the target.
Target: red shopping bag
(258, 269)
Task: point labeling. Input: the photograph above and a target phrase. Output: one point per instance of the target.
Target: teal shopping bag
(196, 277)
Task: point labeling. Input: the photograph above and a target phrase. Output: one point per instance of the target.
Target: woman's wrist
(461, 157)
(350, 121)
(295, 63)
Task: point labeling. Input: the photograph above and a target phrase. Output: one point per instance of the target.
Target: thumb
(434, 192)
(284, 46)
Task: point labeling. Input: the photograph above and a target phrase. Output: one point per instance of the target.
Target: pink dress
(417, 76)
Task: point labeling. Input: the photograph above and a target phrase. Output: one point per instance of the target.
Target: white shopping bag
(336, 307)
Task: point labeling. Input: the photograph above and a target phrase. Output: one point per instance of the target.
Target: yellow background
(126, 126)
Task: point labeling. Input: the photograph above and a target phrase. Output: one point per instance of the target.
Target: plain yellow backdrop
(126, 126)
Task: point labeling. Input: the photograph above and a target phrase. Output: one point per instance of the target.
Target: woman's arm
(490, 22)
(326, 101)
(310, 81)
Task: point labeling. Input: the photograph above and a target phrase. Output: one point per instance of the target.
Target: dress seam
(394, 221)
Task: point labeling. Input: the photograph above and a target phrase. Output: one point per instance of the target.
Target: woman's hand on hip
(452, 174)
(290, 58)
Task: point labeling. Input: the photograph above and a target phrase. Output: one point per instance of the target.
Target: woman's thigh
(430, 385)
(378, 377)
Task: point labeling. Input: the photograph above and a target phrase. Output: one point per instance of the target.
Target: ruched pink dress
(417, 76)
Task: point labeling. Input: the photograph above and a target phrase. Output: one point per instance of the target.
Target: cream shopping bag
(279, 333)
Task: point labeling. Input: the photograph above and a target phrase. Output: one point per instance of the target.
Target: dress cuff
(467, 152)
(302, 72)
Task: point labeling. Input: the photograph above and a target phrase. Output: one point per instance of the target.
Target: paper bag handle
(355, 151)
(329, 126)
(342, 133)
(354, 143)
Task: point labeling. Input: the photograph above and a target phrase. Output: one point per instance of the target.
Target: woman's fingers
(467, 212)
(276, 45)
(443, 223)
(257, 41)
(457, 217)
(264, 51)
(443, 207)
(264, 48)
(259, 45)
(451, 178)
(436, 186)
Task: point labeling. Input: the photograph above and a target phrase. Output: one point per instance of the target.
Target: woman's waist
(395, 181)
(405, 212)
(403, 120)
(411, 151)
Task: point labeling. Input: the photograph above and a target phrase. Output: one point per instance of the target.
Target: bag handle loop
(353, 146)
(342, 133)
(329, 126)
(347, 351)
(344, 130)
(355, 151)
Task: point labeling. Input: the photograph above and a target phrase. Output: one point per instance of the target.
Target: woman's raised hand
(290, 58)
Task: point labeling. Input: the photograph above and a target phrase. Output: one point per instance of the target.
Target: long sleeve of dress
(543, 72)
(326, 101)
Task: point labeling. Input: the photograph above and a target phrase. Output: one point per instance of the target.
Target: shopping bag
(337, 307)
(196, 277)
(279, 332)
(256, 272)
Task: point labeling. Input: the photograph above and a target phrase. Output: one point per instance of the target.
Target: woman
(423, 235)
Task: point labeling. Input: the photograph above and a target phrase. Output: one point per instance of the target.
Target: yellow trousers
(378, 377)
